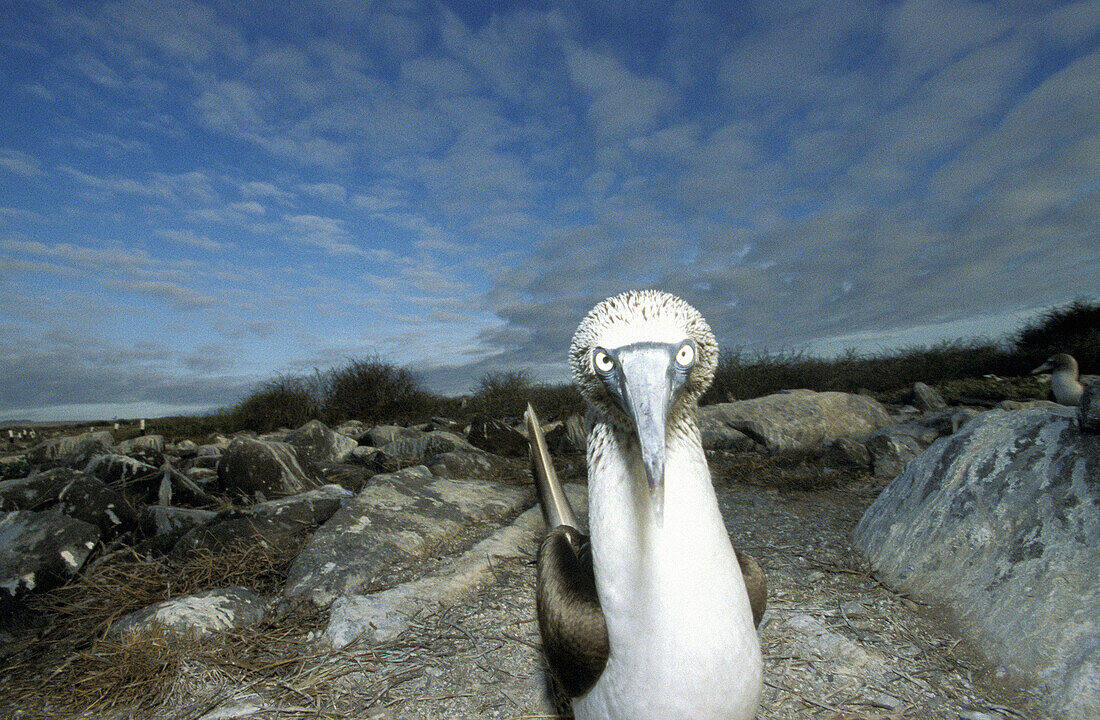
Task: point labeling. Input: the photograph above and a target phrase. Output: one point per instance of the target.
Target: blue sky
(195, 196)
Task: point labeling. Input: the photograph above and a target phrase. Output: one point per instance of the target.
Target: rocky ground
(388, 572)
(837, 644)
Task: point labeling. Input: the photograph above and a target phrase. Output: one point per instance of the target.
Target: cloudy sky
(196, 196)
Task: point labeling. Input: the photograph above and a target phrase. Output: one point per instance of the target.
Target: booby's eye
(685, 358)
(602, 361)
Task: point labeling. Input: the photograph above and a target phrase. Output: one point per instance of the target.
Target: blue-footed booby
(653, 614)
(1065, 382)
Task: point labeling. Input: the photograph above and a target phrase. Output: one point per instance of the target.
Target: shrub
(287, 401)
(373, 391)
(1073, 328)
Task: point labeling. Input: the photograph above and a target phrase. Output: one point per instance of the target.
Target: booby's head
(642, 359)
(1054, 363)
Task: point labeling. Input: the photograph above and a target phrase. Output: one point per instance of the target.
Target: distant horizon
(199, 195)
(946, 332)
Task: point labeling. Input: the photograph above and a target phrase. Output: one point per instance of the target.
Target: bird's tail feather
(556, 509)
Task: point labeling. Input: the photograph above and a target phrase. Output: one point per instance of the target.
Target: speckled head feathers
(642, 316)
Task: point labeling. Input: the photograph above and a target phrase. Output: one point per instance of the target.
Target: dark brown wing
(574, 635)
(755, 583)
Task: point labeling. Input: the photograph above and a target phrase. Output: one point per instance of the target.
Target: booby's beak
(648, 382)
(1045, 367)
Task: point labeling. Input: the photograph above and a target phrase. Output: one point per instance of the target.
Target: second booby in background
(1065, 380)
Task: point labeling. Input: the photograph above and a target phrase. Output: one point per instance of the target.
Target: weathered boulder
(845, 453)
(222, 534)
(571, 438)
(166, 520)
(1088, 413)
(395, 521)
(717, 436)
(199, 614)
(383, 615)
(316, 443)
(89, 499)
(999, 524)
(119, 470)
(185, 449)
(73, 450)
(494, 436)
(948, 420)
(149, 449)
(467, 464)
(40, 550)
(35, 492)
(925, 398)
(382, 435)
(797, 419)
(347, 475)
(272, 468)
(308, 509)
(406, 452)
(352, 429)
(890, 452)
(142, 442)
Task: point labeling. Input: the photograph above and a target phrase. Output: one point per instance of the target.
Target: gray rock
(382, 435)
(119, 470)
(797, 419)
(167, 520)
(89, 499)
(406, 452)
(845, 453)
(309, 509)
(890, 452)
(396, 521)
(141, 443)
(352, 429)
(218, 535)
(272, 468)
(316, 443)
(716, 436)
(1024, 404)
(494, 436)
(185, 449)
(467, 464)
(573, 439)
(149, 449)
(925, 398)
(383, 615)
(350, 476)
(949, 420)
(73, 450)
(199, 614)
(40, 550)
(1088, 414)
(998, 523)
(35, 492)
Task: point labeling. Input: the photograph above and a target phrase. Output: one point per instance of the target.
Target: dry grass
(64, 655)
(792, 470)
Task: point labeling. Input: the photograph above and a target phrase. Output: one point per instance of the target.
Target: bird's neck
(688, 550)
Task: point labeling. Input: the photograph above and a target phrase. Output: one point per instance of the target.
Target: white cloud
(622, 104)
(190, 238)
(20, 163)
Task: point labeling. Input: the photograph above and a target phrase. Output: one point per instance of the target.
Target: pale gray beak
(1045, 367)
(648, 383)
